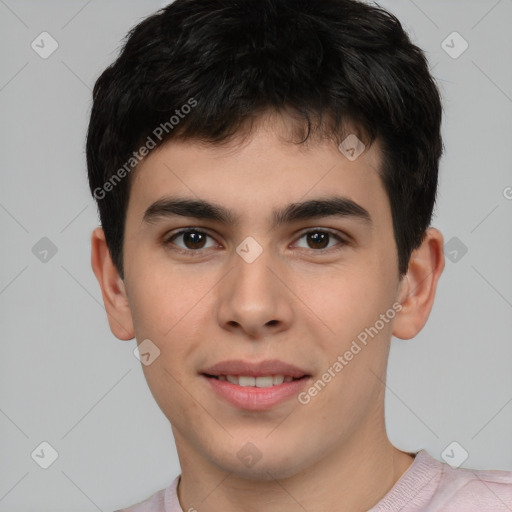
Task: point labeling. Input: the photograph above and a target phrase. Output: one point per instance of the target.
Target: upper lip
(260, 369)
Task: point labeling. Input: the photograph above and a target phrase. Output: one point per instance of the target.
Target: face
(258, 280)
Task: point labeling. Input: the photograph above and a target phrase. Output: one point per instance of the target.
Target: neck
(351, 477)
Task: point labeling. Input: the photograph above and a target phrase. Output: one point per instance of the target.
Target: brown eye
(192, 240)
(320, 239)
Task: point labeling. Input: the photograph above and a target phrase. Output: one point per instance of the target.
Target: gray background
(66, 380)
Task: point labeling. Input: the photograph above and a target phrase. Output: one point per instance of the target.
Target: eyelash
(191, 252)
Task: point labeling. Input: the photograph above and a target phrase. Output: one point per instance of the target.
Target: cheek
(346, 305)
(345, 298)
(167, 311)
(170, 307)
(164, 297)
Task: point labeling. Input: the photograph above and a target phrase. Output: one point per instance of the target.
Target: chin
(266, 465)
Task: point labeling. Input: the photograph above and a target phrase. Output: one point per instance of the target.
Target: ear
(112, 288)
(417, 289)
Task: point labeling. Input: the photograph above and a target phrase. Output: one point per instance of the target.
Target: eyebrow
(334, 206)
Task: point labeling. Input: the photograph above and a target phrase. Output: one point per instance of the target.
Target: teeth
(264, 382)
(259, 382)
(246, 381)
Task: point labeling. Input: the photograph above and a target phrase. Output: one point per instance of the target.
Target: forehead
(252, 174)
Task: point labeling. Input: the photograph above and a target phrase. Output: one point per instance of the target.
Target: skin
(296, 302)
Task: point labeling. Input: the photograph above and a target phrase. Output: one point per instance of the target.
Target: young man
(266, 172)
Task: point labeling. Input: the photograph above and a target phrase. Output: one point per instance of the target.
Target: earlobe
(112, 288)
(417, 289)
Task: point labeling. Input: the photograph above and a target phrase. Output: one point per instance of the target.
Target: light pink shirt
(427, 486)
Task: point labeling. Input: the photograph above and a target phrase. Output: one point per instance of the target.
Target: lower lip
(252, 398)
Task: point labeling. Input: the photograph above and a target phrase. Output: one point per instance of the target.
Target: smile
(256, 393)
(259, 382)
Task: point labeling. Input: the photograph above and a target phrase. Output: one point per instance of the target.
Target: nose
(254, 297)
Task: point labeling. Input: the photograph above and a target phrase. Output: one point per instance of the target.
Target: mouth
(264, 381)
(255, 386)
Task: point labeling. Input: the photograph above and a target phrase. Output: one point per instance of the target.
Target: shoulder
(433, 486)
(154, 503)
(165, 500)
(473, 490)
